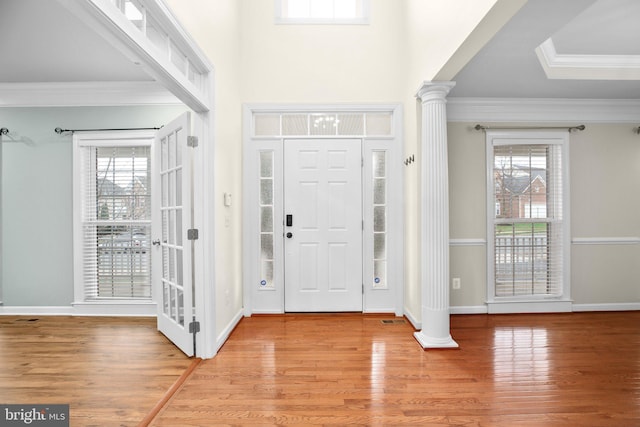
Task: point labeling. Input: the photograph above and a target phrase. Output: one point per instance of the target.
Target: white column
(434, 214)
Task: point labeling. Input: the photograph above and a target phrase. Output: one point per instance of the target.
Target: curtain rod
(569, 128)
(60, 131)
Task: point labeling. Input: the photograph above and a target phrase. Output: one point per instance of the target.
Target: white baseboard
(267, 312)
(137, 309)
(468, 309)
(36, 311)
(412, 319)
(390, 310)
(507, 307)
(224, 335)
(625, 306)
(84, 309)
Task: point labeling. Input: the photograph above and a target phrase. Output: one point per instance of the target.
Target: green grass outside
(521, 228)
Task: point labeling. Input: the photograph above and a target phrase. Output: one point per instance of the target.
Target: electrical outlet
(455, 283)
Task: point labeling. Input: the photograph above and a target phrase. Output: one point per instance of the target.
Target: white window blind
(115, 221)
(527, 224)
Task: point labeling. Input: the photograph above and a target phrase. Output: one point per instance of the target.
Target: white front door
(323, 225)
(172, 253)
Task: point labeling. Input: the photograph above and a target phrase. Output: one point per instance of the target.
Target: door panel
(323, 245)
(172, 276)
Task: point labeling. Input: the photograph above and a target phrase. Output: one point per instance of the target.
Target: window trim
(362, 20)
(82, 140)
(528, 303)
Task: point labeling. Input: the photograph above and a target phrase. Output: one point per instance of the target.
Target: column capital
(429, 90)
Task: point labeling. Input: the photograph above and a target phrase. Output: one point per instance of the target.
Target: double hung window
(113, 219)
(527, 219)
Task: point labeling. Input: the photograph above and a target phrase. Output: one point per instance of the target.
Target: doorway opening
(322, 220)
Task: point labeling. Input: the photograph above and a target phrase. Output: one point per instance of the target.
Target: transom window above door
(322, 11)
(323, 124)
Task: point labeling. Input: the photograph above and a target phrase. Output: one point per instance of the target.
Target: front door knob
(289, 235)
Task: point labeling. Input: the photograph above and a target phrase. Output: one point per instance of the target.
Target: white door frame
(267, 296)
(198, 94)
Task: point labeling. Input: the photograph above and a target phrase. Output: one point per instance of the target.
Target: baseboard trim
(468, 309)
(508, 307)
(226, 333)
(624, 306)
(412, 319)
(36, 311)
(267, 312)
(82, 309)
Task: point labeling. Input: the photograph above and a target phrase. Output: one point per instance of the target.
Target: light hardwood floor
(111, 371)
(510, 370)
(580, 369)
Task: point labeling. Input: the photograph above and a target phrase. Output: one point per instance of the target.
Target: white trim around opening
(380, 129)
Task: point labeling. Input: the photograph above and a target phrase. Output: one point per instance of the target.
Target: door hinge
(363, 289)
(192, 141)
(194, 327)
(192, 234)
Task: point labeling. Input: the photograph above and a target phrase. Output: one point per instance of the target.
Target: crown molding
(587, 67)
(549, 110)
(86, 94)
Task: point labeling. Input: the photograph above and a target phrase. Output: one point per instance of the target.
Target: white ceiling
(582, 31)
(40, 41)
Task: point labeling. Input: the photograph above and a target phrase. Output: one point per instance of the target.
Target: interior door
(323, 225)
(172, 254)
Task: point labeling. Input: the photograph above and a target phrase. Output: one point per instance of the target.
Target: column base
(430, 342)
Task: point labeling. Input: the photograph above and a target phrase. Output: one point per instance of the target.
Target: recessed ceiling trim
(587, 67)
(543, 110)
(84, 94)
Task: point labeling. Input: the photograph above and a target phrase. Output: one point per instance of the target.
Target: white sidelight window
(323, 209)
(112, 219)
(528, 216)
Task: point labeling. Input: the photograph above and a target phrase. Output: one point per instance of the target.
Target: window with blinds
(527, 227)
(115, 217)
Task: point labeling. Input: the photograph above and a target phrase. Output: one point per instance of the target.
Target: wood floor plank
(526, 370)
(111, 371)
(335, 369)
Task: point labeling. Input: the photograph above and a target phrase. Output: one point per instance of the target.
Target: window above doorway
(322, 12)
(323, 124)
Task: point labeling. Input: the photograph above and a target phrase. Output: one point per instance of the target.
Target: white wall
(433, 32)
(322, 63)
(257, 61)
(604, 174)
(214, 25)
